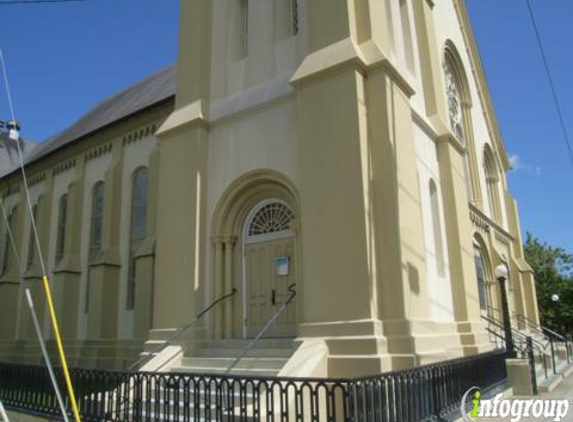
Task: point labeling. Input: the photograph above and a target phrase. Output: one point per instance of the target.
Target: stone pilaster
(182, 188)
(104, 266)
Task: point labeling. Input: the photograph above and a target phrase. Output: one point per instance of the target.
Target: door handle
(273, 297)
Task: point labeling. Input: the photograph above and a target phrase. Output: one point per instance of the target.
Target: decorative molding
(479, 222)
(65, 166)
(98, 152)
(480, 81)
(140, 133)
(36, 178)
(502, 239)
(12, 189)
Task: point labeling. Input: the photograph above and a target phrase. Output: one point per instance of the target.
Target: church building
(329, 172)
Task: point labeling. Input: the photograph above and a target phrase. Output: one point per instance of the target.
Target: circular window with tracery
(270, 218)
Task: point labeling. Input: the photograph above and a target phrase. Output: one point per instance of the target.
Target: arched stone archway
(234, 249)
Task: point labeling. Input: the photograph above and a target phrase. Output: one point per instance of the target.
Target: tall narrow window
(61, 229)
(407, 34)
(437, 229)
(458, 114)
(7, 241)
(492, 183)
(286, 19)
(87, 296)
(97, 217)
(32, 238)
(138, 228)
(239, 28)
(480, 272)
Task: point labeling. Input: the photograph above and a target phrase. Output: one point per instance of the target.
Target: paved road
(563, 391)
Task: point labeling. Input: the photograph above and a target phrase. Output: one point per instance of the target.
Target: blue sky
(64, 58)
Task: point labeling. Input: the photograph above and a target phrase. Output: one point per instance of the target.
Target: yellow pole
(61, 349)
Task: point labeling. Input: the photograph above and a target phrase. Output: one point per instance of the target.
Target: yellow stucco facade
(347, 146)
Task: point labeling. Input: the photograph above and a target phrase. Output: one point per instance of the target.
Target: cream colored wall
(448, 28)
(35, 192)
(10, 202)
(439, 288)
(135, 155)
(268, 58)
(262, 137)
(61, 183)
(95, 170)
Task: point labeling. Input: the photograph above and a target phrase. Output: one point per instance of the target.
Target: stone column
(9, 291)
(527, 277)
(217, 289)
(182, 179)
(104, 267)
(145, 263)
(360, 206)
(67, 273)
(452, 176)
(228, 305)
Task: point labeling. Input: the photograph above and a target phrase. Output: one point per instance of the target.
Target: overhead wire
(46, 284)
(24, 2)
(551, 82)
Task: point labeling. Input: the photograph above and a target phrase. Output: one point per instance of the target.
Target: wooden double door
(270, 270)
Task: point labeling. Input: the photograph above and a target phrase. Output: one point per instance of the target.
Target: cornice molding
(141, 133)
(364, 58)
(36, 178)
(98, 151)
(479, 219)
(63, 167)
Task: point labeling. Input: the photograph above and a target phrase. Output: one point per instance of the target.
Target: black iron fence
(418, 394)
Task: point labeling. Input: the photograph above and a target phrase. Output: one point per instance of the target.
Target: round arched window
(269, 217)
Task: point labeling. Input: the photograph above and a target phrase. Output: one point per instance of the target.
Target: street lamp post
(555, 298)
(501, 273)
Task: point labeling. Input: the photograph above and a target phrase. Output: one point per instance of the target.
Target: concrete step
(234, 353)
(245, 363)
(264, 343)
(251, 372)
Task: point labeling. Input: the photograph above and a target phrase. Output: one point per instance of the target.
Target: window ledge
(145, 248)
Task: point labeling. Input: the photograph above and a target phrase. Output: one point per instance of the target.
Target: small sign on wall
(282, 264)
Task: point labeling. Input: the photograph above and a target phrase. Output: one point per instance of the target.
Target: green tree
(553, 269)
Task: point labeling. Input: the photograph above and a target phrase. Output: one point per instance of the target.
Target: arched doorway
(269, 268)
(254, 230)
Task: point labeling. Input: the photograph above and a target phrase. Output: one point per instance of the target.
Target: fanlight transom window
(272, 217)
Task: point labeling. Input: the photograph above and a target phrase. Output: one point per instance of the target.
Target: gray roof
(9, 159)
(152, 90)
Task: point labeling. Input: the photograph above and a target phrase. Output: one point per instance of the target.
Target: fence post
(531, 356)
(553, 355)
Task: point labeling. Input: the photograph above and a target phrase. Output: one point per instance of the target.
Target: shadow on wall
(414, 279)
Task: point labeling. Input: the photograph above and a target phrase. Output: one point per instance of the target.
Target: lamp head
(501, 271)
(555, 297)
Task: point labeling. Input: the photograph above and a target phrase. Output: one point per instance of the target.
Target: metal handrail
(520, 336)
(145, 359)
(264, 329)
(527, 352)
(539, 328)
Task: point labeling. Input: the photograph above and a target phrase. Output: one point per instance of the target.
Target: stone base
(369, 347)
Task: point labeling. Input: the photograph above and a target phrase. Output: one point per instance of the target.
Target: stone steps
(265, 359)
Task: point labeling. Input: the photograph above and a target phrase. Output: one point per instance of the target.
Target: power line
(551, 83)
(20, 2)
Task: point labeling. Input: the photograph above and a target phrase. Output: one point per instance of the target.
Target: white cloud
(517, 164)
